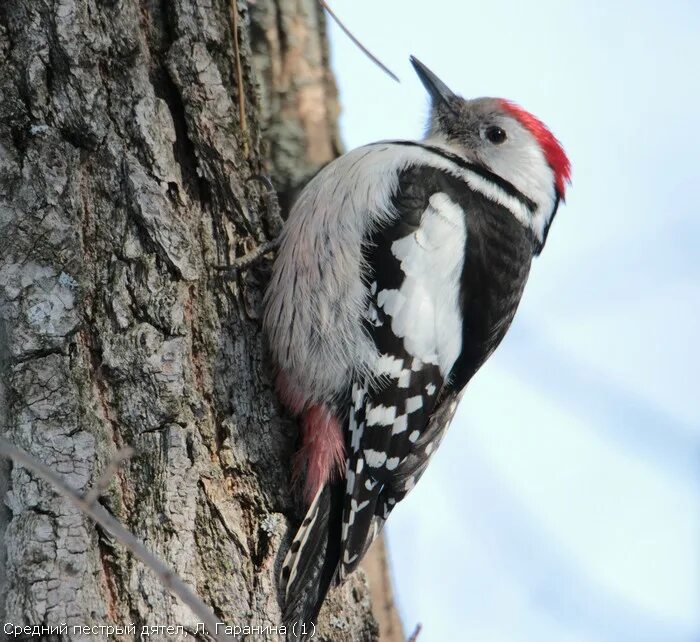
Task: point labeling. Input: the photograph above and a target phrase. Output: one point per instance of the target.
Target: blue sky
(564, 504)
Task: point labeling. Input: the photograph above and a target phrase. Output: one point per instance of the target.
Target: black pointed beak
(438, 90)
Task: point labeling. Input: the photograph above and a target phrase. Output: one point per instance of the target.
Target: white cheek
(521, 162)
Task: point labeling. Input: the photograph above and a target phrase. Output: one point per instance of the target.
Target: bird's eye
(496, 135)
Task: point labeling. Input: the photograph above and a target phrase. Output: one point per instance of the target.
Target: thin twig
(416, 633)
(98, 514)
(239, 76)
(362, 48)
(106, 477)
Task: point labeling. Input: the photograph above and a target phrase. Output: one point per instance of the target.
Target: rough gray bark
(123, 178)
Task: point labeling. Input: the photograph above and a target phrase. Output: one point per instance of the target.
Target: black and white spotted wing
(415, 320)
(445, 281)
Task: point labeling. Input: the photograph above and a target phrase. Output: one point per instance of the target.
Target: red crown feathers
(551, 147)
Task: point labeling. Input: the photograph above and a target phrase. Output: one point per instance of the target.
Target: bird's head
(506, 140)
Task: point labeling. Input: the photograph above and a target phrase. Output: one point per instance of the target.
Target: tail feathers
(312, 561)
(360, 527)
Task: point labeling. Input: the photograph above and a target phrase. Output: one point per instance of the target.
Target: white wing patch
(374, 458)
(381, 416)
(355, 428)
(425, 310)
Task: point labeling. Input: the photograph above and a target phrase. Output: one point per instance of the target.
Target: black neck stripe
(486, 174)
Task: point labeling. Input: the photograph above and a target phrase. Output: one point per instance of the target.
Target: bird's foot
(275, 223)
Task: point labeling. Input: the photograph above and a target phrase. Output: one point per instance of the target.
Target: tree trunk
(126, 153)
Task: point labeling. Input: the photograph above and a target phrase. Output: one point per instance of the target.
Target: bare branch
(98, 514)
(416, 633)
(362, 48)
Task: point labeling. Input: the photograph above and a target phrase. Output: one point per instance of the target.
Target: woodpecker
(399, 271)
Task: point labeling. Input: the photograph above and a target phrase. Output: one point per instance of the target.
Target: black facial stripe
(507, 187)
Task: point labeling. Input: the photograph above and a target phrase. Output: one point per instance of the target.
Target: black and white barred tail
(310, 567)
